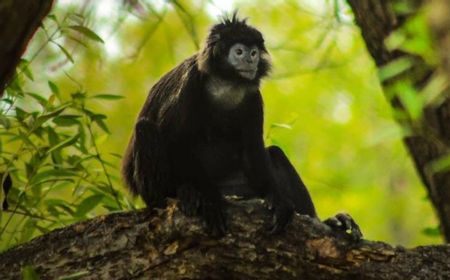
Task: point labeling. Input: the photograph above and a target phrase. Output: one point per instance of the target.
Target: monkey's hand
(282, 215)
(210, 208)
(344, 222)
(213, 215)
(189, 200)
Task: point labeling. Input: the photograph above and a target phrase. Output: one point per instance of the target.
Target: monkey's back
(167, 113)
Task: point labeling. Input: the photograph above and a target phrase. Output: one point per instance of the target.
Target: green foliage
(404, 83)
(28, 273)
(432, 231)
(50, 147)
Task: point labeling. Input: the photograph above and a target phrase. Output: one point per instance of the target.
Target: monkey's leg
(294, 188)
(290, 182)
(151, 165)
(263, 182)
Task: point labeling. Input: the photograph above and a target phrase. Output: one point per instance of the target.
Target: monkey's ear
(214, 38)
(218, 50)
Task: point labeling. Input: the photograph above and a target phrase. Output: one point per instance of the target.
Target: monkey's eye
(254, 53)
(239, 51)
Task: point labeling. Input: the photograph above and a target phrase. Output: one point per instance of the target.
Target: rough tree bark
(431, 138)
(166, 245)
(18, 22)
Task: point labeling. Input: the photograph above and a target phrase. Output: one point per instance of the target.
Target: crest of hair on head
(233, 20)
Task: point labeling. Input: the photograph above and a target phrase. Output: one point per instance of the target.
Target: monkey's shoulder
(166, 92)
(178, 76)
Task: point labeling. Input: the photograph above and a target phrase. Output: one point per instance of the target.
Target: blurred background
(323, 106)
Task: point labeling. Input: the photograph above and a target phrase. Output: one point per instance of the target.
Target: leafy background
(68, 115)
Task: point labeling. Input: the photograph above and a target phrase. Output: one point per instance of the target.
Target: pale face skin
(244, 59)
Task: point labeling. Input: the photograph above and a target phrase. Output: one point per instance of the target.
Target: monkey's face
(244, 59)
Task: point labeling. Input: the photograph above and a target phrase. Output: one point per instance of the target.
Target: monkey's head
(235, 51)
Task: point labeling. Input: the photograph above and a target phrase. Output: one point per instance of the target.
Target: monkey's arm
(148, 165)
(180, 120)
(258, 166)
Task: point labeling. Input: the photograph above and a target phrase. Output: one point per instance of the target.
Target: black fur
(185, 146)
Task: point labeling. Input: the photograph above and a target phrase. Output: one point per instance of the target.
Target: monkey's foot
(282, 215)
(214, 217)
(189, 200)
(345, 222)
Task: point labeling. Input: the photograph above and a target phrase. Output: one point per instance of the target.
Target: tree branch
(167, 245)
(18, 22)
(430, 140)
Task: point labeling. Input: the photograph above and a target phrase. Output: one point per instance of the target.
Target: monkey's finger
(349, 224)
(280, 219)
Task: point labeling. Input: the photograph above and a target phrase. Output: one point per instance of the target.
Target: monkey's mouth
(249, 74)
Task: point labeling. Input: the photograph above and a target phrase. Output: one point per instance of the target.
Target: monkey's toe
(215, 220)
(281, 217)
(344, 222)
(189, 200)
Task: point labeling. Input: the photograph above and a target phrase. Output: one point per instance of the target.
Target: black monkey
(200, 135)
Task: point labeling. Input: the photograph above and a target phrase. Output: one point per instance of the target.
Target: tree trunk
(18, 22)
(167, 245)
(430, 140)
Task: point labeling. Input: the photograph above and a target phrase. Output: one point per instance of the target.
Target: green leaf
(87, 32)
(69, 141)
(441, 164)
(27, 230)
(78, 95)
(54, 88)
(4, 121)
(53, 139)
(66, 53)
(410, 99)
(67, 120)
(102, 125)
(76, 18)
(28, 73)
(52, 204)
(43, 101)
(6, 100)
(99, 120)
(432, 231)
(43, 118)
(119, 156)
(78, 41)
(83, 143)
(394, 68)
(281, 125)
(88, 204)
(108, 96)
(433, 92)
(25, 138)
(52, 17)
(21, 114)
(52, 174)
